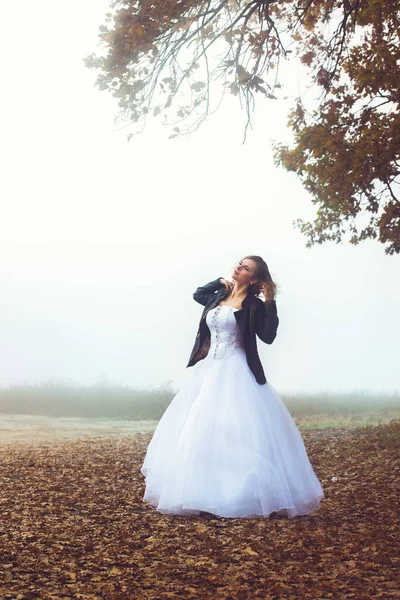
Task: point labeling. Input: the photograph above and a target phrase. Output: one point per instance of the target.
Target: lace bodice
(226, 338)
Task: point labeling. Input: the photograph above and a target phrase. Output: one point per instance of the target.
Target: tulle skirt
(227, 445)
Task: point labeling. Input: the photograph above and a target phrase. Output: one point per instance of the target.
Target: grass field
(123, 402)
(52, 411)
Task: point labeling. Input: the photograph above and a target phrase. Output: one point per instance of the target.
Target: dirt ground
(73, 525)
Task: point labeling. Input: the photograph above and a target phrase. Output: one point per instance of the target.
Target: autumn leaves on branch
(164, 57)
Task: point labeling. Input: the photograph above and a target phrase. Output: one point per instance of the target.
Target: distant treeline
(98, 400)
(124, 402)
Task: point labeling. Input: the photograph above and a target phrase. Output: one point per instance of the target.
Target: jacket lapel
(240, 315)
(214, 301)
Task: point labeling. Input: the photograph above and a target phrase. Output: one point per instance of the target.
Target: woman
(226, 444)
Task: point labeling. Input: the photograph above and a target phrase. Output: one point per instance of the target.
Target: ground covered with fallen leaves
(73, 525)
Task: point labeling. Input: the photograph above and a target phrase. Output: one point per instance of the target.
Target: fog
(103, 242)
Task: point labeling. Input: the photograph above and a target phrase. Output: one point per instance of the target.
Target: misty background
(103, 242)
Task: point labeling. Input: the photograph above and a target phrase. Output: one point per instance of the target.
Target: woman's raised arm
(204, 292)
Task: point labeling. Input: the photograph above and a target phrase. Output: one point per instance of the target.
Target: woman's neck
(239, 292)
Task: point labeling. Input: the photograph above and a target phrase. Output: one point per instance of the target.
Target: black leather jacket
(254, 318)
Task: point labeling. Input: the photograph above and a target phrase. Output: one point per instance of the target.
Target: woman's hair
(263, 276)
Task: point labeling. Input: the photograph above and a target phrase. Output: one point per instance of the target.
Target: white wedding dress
(227, 445)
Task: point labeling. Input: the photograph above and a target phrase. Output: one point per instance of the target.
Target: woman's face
(244, 272)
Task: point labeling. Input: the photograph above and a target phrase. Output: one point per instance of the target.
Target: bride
(226, 444)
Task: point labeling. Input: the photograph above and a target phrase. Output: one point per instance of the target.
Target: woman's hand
(228, 284)
(266, 292)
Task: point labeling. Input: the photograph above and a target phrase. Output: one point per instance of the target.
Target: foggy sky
(103, 242)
